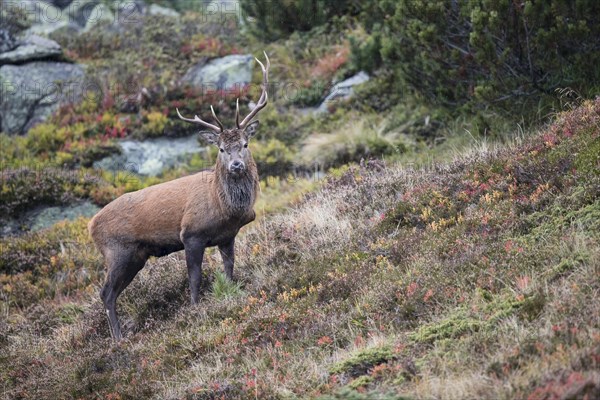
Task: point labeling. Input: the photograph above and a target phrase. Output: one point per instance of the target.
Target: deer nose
(237, 165)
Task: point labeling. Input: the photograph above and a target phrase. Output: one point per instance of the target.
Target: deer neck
(236, 193)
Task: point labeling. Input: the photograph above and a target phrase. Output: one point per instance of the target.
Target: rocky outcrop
(150, 157)
(31, 92)
(227, 73)
(155, 9)
(343, 90)
(31, 48)
(100, 14)
(7, 41)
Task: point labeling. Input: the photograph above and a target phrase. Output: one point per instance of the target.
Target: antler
(199, 121)
(262, 102)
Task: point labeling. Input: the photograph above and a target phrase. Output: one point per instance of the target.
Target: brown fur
(194, 212)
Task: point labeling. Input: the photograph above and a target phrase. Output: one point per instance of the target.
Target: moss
(361, 381)
(451, 327)
(361, 361)
(567, 265)
(348, 393)
(463, 321)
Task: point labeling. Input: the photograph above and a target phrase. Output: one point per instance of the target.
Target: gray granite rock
(101, 14)
(343, 90)
(230, 72)
(7, 41)
(31, 92)
(151, 156)
(31, 48)
(155, 9)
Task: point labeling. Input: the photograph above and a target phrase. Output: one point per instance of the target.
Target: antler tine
(262, 101)
(197, 120)
(215, 117)
(237, 113)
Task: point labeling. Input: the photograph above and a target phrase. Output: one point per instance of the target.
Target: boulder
(31, 48)
(130, 12)
(31, 92)
(150, 157)
(43, 18)
(59, 3)
(230, 72)
(81, 11)
(343, 90)
(155, 9)
(7, 41)
(99, 15)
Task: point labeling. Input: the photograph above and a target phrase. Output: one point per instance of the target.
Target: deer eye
(221, 150)
(245, 145)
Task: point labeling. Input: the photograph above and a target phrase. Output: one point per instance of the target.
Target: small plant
(361, 361)
(223, 288)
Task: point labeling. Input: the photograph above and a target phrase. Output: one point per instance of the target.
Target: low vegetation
(475, 278)
(421, 240)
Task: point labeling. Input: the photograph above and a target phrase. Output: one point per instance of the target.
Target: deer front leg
(227, 254)
(194, 254)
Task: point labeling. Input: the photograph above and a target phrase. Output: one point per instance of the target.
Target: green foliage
(50, 263)
(273, 20)
(361, 361)
(273, 157)
(493, 273)
(350, 143)
(223, 288)
(154, 124)
(478, 54)
(45, 137)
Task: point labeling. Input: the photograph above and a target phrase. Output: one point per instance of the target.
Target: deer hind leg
(123, 266)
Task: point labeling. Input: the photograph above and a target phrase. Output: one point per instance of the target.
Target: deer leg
(228, 256)
(194, 254)
(121, 272)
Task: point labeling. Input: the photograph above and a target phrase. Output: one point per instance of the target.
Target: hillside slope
(477, 279)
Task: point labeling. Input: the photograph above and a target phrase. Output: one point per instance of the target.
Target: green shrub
(350, 143)
(45, 138)
(223, 288)
(502, 54)
(361, 361)
(273, 20)
(272, 157)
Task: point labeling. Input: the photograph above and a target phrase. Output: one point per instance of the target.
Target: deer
(191, 213)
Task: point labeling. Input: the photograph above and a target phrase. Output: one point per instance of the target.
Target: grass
(476, 278)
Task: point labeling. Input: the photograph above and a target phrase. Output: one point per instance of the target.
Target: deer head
(233, 143)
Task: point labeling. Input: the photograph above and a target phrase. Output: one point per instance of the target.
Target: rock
(149, 157)
(99, 15)
(44, 18)
(155, 9)
(230, 72)
(130, 12)
(31, 92)
(59, 3)
(47, 216)
(31, 48)
(343, 90)
(66, 27)
(81, 11)
(7, 41)
(44, 217)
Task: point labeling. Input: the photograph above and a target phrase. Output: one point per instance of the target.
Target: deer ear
(251, 129)
(210, 137)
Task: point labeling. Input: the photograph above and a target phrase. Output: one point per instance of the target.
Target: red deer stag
(190, 213)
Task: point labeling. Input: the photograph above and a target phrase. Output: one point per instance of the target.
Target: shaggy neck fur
(237, 193)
